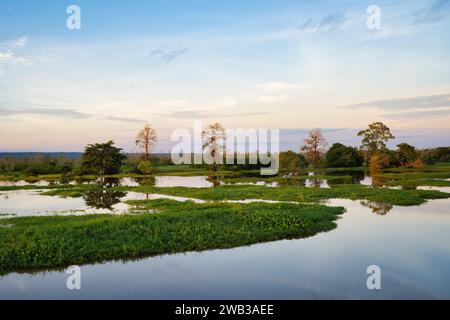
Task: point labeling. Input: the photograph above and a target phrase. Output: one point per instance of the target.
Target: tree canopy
(291, 161)
(102, 159)
(340, 156)
(375, 138)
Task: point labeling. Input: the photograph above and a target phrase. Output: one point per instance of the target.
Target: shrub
(145, 167)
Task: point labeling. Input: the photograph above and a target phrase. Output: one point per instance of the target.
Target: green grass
(420, 182)
(287, 193)
(430, 175)
(51, 242)
(350, 169)
(415, 175)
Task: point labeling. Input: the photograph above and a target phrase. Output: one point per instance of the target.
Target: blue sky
(291, 65)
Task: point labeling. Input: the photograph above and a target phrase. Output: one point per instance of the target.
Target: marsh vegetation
(106, 205)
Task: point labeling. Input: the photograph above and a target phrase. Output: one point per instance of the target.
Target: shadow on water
(379, 208)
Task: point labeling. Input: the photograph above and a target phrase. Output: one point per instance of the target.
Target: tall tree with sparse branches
(313, 145)
(214, 143)
(146, 139)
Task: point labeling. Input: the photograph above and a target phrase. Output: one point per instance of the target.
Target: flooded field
(409, 244)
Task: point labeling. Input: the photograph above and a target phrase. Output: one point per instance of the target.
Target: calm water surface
(33, 203)
(410, 244)
(157, 181)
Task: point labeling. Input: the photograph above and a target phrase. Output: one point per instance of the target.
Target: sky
(262, 64)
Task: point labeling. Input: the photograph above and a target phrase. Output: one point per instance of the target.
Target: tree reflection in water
(103, 199)
(379, 208)
(214, 179)
(314, 183)
(149, 181)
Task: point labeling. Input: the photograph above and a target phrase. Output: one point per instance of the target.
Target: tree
(313, 145)
(375, 138)
(213, 144)
(339, 156)
(377, 162)
(101, 159)
(407, 154)
(146, 139)
(145, 167)
(294, 162)
(441, 154)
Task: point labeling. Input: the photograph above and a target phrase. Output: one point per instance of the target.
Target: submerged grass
(52, 242)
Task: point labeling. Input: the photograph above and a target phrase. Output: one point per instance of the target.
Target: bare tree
(146, 139)
(314, 144)
(213, 143)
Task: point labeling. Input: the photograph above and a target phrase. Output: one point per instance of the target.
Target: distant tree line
(106, 158)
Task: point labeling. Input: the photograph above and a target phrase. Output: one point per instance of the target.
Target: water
(199, 181)
(33, 203)
(410, 244)
(272, 184)
(21, 183)
(158, 181)
(21, 203)
(189, 182)
(442, 189)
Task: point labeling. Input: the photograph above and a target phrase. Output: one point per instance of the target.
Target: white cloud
(15, 43)
(5, 56)
(8, 57)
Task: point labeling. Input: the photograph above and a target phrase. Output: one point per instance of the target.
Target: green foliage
(292, 162)
(375, 138)
(37, 165)
(287, 193)
(440, 154)
(340, 156)
(50, 242)
(145, 167)
(101, 159)
(130, 166)
(407, 153)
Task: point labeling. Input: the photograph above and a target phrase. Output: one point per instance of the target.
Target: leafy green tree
(102, 159)
(145, 167)
(375, 138)
(407, 153)
(291, 161)
(440, 154)
(340, 156)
